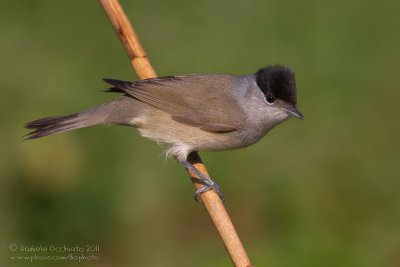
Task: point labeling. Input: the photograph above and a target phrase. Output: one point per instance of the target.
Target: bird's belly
(185, 137)
(182, 138)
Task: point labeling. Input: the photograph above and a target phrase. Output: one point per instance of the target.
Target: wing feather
(203, 101)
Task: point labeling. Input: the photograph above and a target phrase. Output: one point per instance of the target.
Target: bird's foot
(208, 183)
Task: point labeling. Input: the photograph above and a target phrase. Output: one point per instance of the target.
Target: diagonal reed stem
(144, 70)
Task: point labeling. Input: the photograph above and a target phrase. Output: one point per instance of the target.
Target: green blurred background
(320, 192)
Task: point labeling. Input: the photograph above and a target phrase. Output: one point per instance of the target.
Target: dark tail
(59, 124)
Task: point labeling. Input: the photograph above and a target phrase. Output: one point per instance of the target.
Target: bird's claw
(208, 185)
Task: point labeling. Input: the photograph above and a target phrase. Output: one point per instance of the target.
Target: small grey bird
(189, 113)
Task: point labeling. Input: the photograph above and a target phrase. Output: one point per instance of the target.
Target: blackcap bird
(189, 113)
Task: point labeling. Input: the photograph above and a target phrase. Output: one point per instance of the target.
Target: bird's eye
(270, 99)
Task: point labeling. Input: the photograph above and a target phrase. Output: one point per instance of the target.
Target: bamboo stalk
(144, 70)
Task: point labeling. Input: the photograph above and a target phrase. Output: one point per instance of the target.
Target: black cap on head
(279, 82)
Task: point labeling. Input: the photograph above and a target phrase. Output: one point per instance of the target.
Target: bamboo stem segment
(220, 218)
(144, 70)
(129, 39)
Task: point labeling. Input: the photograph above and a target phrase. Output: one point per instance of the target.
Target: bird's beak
(292, 110)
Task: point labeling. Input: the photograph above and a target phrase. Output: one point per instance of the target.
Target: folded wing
(203, 101)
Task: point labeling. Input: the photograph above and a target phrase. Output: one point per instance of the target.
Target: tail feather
(58, 124)
(51, 125)
(118, 111)
(45, 122)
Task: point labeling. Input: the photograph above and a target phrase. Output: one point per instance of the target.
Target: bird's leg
(207, 182)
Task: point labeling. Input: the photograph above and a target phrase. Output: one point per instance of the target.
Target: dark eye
(270, 99)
